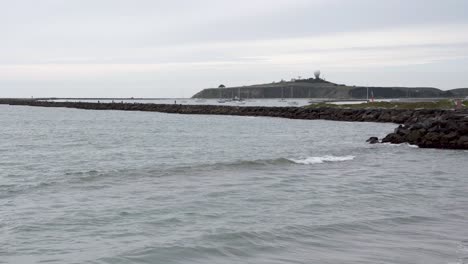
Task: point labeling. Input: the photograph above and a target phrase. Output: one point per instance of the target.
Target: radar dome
(317, 74)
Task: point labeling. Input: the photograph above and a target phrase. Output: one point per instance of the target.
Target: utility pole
(367, 97)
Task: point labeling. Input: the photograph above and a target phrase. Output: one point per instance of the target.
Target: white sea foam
(317, 160)
(400, 145)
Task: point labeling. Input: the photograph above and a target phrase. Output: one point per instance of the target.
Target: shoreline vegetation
(425, 124)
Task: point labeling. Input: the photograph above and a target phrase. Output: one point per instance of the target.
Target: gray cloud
(160, 48)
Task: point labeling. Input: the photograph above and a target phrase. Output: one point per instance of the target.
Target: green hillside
(318, 88)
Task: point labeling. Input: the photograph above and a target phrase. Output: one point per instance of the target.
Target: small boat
(238, 98)
(222, 101)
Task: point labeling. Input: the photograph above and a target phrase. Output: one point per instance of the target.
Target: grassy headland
(319, 88)
(441, 104)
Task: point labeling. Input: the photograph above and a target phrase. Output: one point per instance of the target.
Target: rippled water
(192, 101)
(81, 186)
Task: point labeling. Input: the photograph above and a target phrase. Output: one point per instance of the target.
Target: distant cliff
(460, 92)
(318, 88)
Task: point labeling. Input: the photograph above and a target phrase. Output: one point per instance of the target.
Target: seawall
(425, 127)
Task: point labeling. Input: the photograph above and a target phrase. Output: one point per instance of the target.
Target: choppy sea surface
(80, 186)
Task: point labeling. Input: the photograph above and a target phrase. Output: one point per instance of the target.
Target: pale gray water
(81, 186)
(297, 102)
(191, 101)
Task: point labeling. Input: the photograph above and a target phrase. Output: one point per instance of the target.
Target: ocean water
(80, 186)
(192, 101)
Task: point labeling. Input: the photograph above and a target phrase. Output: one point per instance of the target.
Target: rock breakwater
(429, 128)
(445, 131)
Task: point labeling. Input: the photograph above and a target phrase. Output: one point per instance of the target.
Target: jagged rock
(414, 136)
(463, 141)
(393, 138)
(450, 136)
(432, 136)
(373, 140)
(403, 131)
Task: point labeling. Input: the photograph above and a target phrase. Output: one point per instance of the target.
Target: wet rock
(373, 140)
(450, 136)
(393, 138)
(432, 137)
(463, 141)
(414, 136)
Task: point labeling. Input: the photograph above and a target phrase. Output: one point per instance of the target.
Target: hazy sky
(151, 48)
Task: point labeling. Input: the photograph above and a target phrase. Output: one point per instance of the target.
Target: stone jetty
(448, 130)
(427, 128)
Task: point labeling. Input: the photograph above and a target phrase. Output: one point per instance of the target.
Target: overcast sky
(152, 48)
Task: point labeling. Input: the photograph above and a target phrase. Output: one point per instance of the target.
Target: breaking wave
(323, 159)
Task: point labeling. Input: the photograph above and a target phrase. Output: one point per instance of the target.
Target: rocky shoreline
(426, 128)
(447, 131)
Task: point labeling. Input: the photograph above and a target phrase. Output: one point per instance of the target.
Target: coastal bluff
(319, 88)
(427, 128)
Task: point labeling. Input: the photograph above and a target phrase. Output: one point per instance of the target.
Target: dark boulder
(414, 136)
(463, 142)
(373, 140)
(393, 138)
